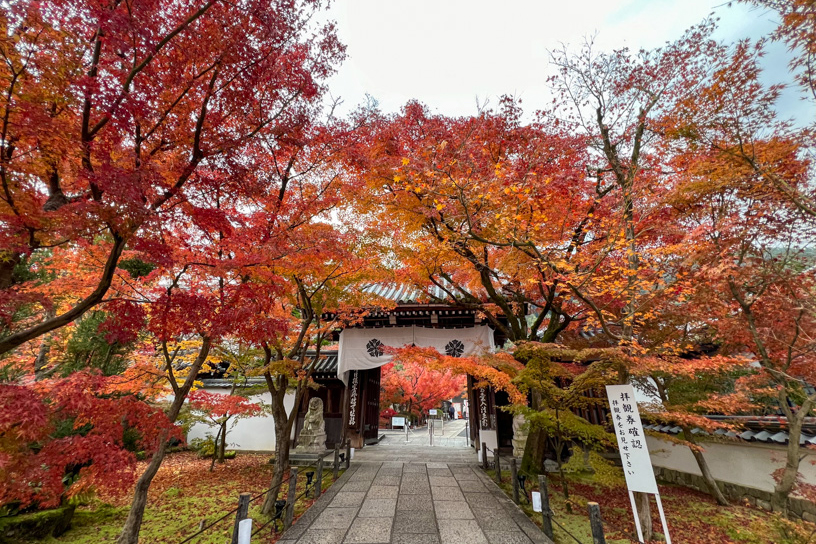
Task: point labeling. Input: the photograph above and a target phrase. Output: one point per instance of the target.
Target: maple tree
(620, 100)
(759, 289)
(111, 116)
(744, 195)
(127, 133)
(152, 146)
(219, 410)
(416, 389)
(687, 388)
(63, 437)
(498, 215)
(565, 387)
(285, 365)
(797, 30)
(473, 206)
(496, 370)
(298, 256)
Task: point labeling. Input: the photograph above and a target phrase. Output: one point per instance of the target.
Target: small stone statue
(313, 435)
(519, 435)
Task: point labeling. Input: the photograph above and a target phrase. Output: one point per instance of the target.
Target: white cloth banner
(361, 349)
(455, 342)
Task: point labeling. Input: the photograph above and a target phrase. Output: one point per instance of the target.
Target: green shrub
(604, 471)
(131, 438)
(204, 447)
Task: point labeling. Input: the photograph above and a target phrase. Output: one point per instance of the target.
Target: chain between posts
(251, 500)
(564, 528)
(516, 471)
(304, 493)
(228, 514)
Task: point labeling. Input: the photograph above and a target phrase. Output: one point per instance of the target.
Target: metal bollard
(336, 460)
(484, 455)
(348, 453)
(498, 465)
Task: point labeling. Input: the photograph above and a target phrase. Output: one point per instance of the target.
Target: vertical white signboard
(637, 465)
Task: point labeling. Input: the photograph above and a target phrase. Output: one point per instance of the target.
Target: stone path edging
(527, 525)
(303, 522)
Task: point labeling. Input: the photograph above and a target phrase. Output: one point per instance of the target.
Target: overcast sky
(445, 53)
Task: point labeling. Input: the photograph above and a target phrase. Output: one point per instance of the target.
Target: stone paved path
(448, 446)
(406, 503)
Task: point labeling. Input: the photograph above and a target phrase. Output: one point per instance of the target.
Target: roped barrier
(519, 478)
(284, 509)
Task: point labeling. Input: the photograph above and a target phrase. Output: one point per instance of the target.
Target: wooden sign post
(637, 465)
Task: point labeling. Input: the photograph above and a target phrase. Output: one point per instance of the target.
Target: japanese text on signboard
(637, 465)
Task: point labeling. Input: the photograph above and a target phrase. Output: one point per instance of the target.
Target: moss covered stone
(36, 524)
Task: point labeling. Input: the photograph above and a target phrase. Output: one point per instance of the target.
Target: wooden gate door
(371, 419)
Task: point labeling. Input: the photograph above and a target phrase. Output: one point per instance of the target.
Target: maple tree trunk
(536, 446)
(42, 359)
(133, 523)
(645, 515)
(713, 488)
(282, 443)
(787, 481)
(559, 452)
(633, 262)
(41, 362)
(534, 451)
(223, 445)
(625, 177)
(215, 449)
(564, 486)
(7, 266)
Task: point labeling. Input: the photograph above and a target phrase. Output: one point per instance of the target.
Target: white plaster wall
(747, 464)
(250, 434)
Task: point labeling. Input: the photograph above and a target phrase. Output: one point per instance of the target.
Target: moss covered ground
(183, 495)
(692, 517)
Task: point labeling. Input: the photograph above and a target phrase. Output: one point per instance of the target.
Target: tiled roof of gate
(324, 368)
(326, 364)
(403, 293)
